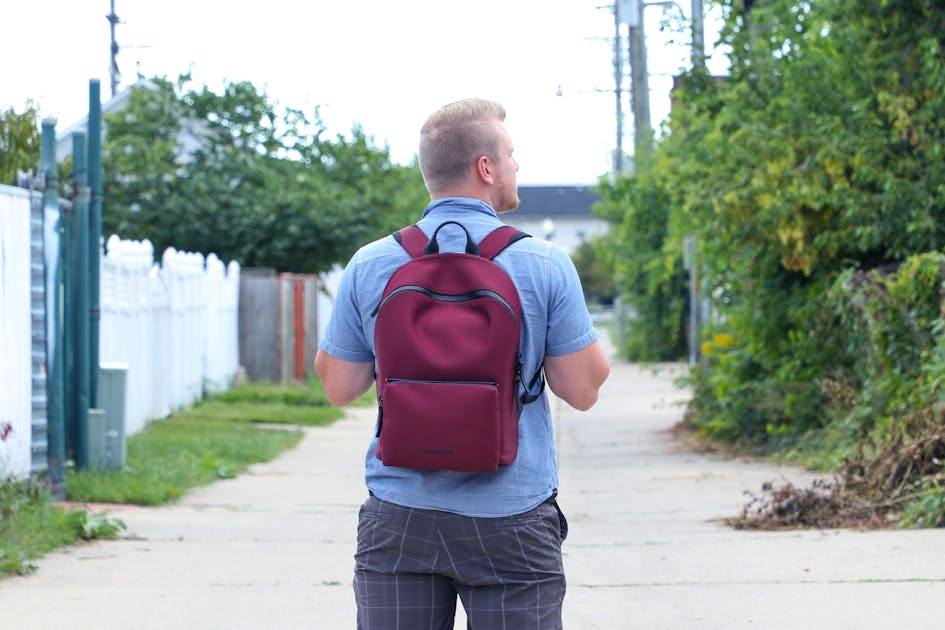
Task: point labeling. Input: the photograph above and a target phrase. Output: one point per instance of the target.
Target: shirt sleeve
(344, 336)
(569, 324)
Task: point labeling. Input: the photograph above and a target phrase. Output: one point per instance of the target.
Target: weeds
(32, 526)
(895, 478)
(928, 510)
(823, 505)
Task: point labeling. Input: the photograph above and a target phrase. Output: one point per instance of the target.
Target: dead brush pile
(869, 491)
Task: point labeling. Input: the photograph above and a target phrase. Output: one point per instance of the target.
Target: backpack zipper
(439, 382)
(448, 297)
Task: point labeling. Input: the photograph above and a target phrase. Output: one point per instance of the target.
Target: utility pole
(639, 78)
(698, 35)
(698, 305)
(630, 12)
(113, 72)
(618, 89)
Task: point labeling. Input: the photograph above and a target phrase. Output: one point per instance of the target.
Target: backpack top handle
(434, 248)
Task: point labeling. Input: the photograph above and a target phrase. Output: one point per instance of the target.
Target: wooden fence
(278, 344)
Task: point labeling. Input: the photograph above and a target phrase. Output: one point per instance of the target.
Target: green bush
(817, 218)
(926, 511)
(650, 281)
(594, 263)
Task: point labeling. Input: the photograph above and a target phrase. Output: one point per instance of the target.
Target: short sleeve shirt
(555, 322)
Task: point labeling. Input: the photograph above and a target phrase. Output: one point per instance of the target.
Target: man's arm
(344, 381)
(577, 377)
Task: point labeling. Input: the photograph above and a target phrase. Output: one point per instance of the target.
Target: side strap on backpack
(527, 396)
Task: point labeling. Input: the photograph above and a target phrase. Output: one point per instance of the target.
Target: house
(563, 214)
(64, 137)
(188, 139)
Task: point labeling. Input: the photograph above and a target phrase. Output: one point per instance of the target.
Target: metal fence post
(67, 271)
(95, 234)
(80, 199)
(55, 372)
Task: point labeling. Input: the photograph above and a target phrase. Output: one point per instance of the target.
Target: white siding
(15, 333)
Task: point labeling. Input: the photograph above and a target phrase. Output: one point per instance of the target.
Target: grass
(176, 454)
(30, 526)
(215, 439)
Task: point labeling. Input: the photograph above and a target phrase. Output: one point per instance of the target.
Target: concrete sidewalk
(273, 548)
(647, 551)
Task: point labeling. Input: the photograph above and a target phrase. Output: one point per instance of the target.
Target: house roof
(556, 201)
(112, 105)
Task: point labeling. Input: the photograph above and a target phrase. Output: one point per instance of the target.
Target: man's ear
(484, 170)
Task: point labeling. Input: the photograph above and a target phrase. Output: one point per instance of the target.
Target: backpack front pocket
(461, 435)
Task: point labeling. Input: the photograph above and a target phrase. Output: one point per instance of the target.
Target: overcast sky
(384, 65)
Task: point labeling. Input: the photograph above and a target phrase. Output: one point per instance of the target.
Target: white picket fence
(174, 325)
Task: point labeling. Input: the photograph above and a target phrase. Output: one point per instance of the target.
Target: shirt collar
(460, 203)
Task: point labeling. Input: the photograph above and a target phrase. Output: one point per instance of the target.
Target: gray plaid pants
(411, 564)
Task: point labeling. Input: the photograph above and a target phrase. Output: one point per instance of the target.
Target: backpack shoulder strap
(412, 239)
(498, 239)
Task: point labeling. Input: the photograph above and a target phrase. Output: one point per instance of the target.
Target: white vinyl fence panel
(15, 334)
(221, 353)
(174, 326)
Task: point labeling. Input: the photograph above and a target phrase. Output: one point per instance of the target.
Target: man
(493, 538)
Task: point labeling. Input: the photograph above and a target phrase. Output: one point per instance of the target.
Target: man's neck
(466, 192)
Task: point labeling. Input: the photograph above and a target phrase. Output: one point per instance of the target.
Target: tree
(19, 142)
(820, 153)
(236, 175)
(647, 267)
(595, 266)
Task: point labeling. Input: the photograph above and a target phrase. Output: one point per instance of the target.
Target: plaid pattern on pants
(411, 564)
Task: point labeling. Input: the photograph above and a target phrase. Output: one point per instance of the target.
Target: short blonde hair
(454, 137)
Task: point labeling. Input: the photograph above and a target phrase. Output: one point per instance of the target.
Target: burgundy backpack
(449, 368)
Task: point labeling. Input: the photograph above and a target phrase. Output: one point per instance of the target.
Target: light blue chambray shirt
(556, 322)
